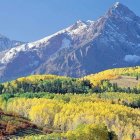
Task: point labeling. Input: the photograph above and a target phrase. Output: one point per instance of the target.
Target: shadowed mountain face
(83, 48)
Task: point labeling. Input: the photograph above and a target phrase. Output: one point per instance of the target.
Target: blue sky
(30, 20)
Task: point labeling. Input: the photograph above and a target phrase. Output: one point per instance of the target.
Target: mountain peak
(80, 23)
(120, 10)
(117, 4)
(120, 7)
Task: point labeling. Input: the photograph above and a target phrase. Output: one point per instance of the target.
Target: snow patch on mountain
(116, 4)
(77, 28)
(41, 42)
(66, 43)
(12, 53)
(6, 43)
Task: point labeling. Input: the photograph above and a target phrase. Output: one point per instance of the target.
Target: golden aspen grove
(64, 108)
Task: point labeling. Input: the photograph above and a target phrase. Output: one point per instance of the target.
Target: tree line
(67, 85)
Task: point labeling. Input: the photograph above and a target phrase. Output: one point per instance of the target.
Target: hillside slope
(127, 73)
(12, 125)
(112, 80)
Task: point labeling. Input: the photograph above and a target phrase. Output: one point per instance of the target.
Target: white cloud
(132, 58)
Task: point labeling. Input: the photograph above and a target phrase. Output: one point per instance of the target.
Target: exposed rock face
(81, 49)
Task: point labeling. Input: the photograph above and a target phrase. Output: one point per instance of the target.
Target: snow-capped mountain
(6, 43)
(83, 48)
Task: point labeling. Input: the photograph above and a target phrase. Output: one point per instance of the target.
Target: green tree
(1, 88)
